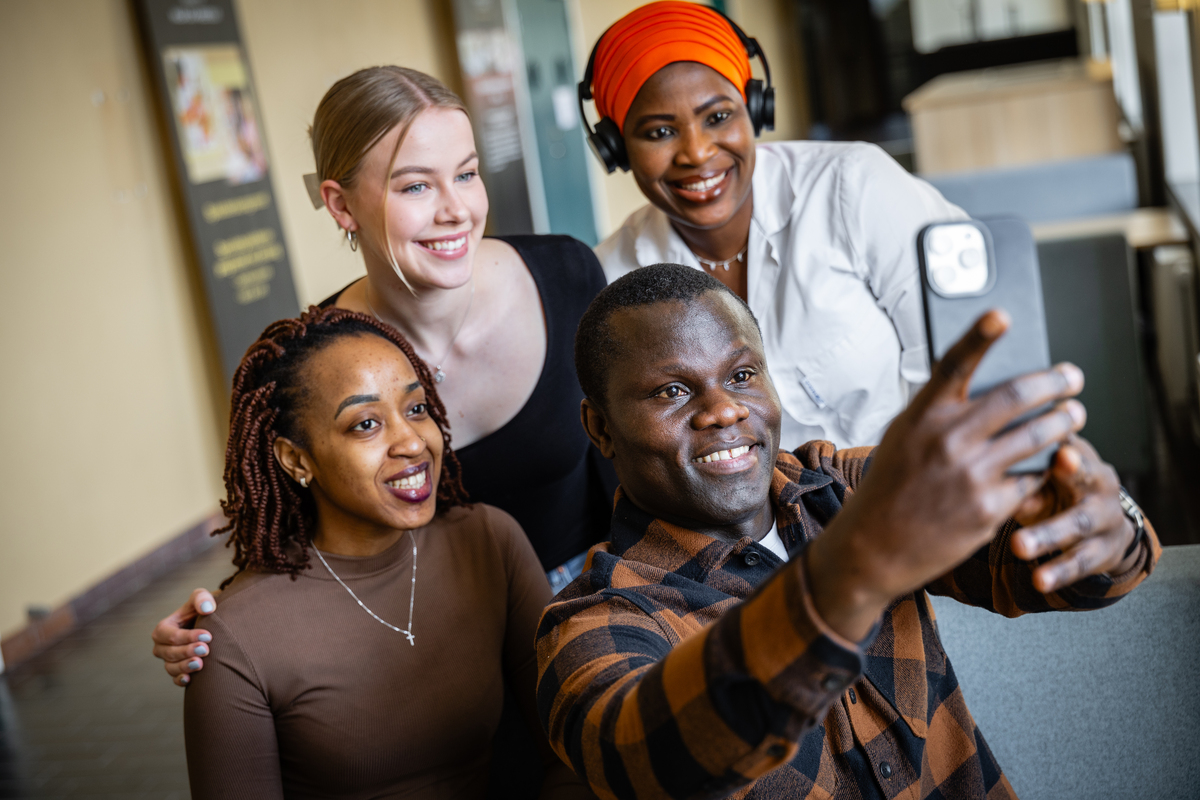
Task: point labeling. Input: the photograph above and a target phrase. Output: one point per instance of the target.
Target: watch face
(1134, 512)
(1131, 508)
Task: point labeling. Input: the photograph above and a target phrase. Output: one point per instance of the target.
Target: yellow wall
(107, 413)
(297, 49)
(112, 411)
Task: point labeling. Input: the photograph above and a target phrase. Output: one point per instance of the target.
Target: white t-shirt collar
(773, 543)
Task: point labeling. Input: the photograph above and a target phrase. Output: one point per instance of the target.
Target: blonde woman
(494, 317)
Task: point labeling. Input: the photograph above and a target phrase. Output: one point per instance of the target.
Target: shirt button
(853, 696)
(830, 683)
(885, 769)
(751, 558)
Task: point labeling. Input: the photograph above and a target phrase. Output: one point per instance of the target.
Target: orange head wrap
(649, 38)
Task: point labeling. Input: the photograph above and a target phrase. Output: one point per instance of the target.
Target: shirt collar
(657, 242)
(773, 193)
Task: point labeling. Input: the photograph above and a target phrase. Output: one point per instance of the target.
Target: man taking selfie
(758, 624)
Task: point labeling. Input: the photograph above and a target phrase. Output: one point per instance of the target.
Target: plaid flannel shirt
(679, 665)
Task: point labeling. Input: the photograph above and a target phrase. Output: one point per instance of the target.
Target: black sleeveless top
(540, 466)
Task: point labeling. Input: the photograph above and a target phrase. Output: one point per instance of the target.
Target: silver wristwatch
(1134, 512)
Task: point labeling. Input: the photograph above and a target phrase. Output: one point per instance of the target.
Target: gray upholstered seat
(1055, 190)
(1102, 704)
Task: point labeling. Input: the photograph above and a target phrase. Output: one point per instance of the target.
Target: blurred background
(155, 218)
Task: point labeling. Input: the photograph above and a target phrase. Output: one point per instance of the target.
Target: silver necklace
(439, 374)
(712, 265)
(411, 595)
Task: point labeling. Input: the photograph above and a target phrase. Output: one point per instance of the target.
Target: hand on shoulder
(182, 649)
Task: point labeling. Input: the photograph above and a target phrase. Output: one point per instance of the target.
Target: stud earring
(304, 483)
(352, 238)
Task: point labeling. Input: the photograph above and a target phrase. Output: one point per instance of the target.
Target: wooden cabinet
(1010, 116)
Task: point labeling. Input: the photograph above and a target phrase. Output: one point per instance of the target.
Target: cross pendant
(411, 639)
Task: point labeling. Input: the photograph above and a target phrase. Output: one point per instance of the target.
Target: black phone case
(1017, 289)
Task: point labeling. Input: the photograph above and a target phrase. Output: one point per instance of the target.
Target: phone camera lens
(970, 258)
(940, 243)
(945, 277)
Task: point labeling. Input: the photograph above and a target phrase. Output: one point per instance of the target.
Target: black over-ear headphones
(609, 145)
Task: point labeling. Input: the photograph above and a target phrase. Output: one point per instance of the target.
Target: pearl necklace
(411, 595)
(712, 265)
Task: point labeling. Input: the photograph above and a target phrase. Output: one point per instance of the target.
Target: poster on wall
(215, 128)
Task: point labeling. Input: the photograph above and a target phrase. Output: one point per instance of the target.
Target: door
(562, 151)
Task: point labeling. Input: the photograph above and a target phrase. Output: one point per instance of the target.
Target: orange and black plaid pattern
(681, 666)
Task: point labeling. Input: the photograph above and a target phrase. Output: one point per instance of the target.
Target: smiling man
(758, 626)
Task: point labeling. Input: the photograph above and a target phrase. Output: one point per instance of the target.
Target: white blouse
(832, 277)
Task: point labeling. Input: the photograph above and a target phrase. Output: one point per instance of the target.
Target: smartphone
(969, 267)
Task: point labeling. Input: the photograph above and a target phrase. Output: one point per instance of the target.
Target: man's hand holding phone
(1077, 511)
(940, 487)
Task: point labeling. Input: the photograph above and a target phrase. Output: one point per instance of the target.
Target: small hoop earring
(304, 483)
(352, 238)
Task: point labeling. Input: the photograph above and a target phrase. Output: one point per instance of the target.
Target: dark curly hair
(268, 514)
(596, 346)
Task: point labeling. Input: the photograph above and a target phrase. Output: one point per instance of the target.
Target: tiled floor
(95, 716)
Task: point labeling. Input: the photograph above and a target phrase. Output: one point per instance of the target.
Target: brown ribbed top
(305, 695)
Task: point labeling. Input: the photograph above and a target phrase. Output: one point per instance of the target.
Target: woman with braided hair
(343, 669)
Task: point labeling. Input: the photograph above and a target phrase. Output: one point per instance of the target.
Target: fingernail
(1077, 411)
(201, 650)
(207, 607)
(1074, 376)
(193, 664)
(185, 679)
(204, 637)
(995, 323)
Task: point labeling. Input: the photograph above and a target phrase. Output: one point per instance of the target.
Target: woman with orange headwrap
(818, 237)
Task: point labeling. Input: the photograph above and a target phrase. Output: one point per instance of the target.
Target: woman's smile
(449, 247)
(691, 146)
(703, 188)
(411, 484)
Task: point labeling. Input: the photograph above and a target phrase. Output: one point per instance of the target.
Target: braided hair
(268, 515)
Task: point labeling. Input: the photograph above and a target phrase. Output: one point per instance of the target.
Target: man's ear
(595, 424)
(339, 208)
(293, 459)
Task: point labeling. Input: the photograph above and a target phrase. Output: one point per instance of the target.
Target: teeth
(411, 482)
(447, 244)
(704, 186)
(723, 455)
